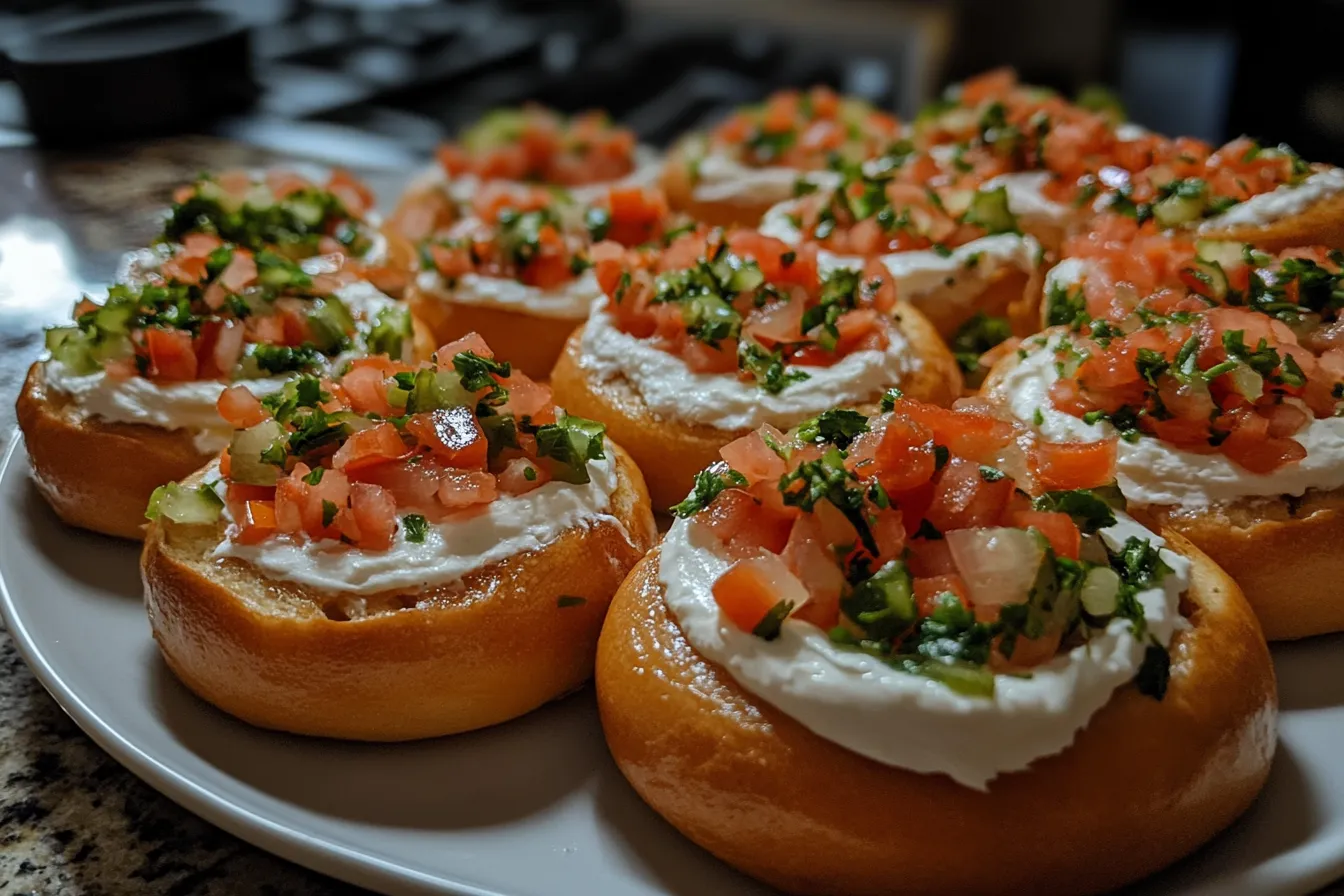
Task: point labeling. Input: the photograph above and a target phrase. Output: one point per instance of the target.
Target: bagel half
(391, 666)
(671, 452)
(95, 474)
(532, 343)
(1144, 783)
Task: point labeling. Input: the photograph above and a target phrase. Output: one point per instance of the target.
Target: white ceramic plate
(532, 807)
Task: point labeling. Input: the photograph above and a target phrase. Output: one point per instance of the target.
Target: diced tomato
(753, 458)
(744, 525)
(240, 272)
(467, 488)
(453, 435)
(971, 434)
(521, 476)
(750, 588)
(776, 323)
(930, 589)
(366, 387)
(528, 398)
(965, 498)
(472, 342)
(810, 559)
(379, 444)
(1058, 528)
(931, 557)
(353, 193)
(170, 354)
(1070, 465)
(904, 458)
(1251, 446)
(240, 408)
(413, 482)
(257, 523)
(375, 513)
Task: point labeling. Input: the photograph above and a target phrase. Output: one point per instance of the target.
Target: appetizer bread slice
(1219, 397)
(953, 247)
(126, 400)
(703, 341)
(730, 176)
(515, 266)
(401, 552)
(863, 646)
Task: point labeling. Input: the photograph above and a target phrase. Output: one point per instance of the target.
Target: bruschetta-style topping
(215, 310)
(340, 458)
(541, 238)
(902, 536)
(1226, 380)
(539, 145)
(279, 211)
(1130, 267)
(804, 130)
(995, 125)
(746, 304)
(901, 203)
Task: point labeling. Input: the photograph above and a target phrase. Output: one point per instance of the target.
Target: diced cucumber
(1176, 210)
(1247, 382)
(746, 277)
(884, 604)
(965, 678)
(306, 209)
(198, 506)
(247, 449)
(1224, 253)
(438, 389)
(397, 396)
(114, 318)
(496, 127)
(1100, 593)
(70, 347)
(1211, 278)
(329, 324)
(392, 333)
(989, 209)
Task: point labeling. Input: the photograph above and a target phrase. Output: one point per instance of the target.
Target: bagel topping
(535, 144)
(529, 248)
(1218, 366)
(393, 476)
(732, 330)
(160, 349)
(889, 583)
(756, 153)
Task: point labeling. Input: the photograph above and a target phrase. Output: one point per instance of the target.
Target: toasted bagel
(678, 182)
(1144, 783)
(95, 474)
(391, 666)
(671, 452)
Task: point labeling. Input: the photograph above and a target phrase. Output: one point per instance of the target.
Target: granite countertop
(73, 821)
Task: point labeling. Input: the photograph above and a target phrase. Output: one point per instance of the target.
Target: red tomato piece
(929, 589)
(1070, 465)
(467, 488)
(453, 435)
(170, 354)
(965, 499)
(1058, 528)
(379, 444)
(240, 408)
(750, 588)
(375, 514)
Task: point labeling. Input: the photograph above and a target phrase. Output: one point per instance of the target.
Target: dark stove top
(415, 73)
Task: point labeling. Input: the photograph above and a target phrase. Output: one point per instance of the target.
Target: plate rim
(313, 852)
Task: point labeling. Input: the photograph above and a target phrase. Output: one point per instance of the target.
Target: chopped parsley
(416, 527)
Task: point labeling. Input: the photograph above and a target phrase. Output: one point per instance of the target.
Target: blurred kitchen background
(379, 83)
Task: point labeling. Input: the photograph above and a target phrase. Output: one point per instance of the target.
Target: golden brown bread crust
(467, 655)
(1321, 224)
(1145, 782)
(1010, 293)
(529, 342)
(671, 452)
(678, 184)
(1283, 551)
(95, 474)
